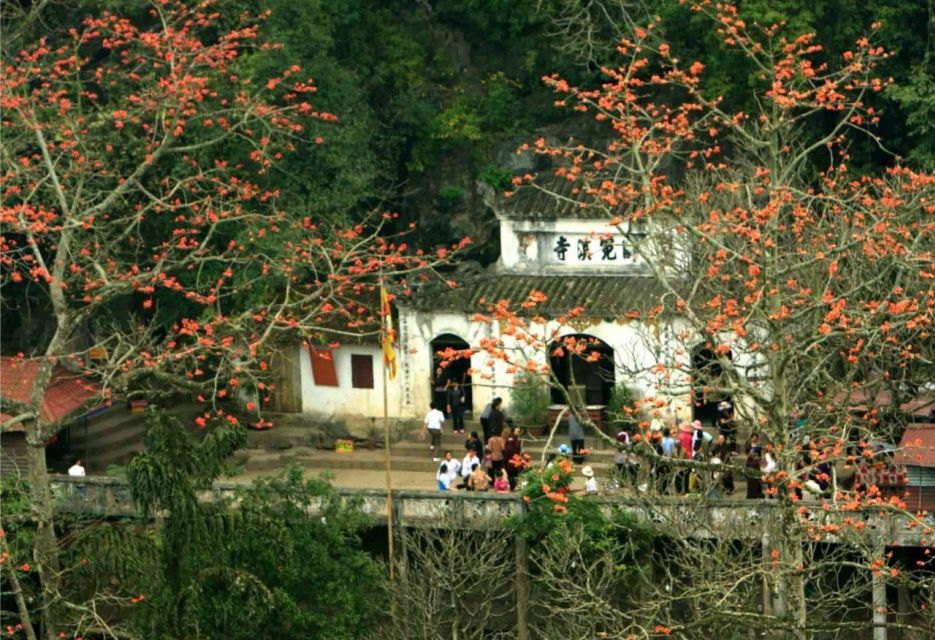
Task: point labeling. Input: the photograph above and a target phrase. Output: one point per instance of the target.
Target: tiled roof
(858, 400)
(917, 448)
(551, 197)
(66, 394)
(602, 296)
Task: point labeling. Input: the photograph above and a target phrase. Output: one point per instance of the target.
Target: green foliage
(284, 551)
(116, 471)
(256, 566)
(530, 399)
(553, 511)
(622, 406)
(17, 544)
(917, 98)
(168, 475)
(501, 107)
(496, 177)
(450, 195)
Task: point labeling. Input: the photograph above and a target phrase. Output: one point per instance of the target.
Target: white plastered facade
(527, 247)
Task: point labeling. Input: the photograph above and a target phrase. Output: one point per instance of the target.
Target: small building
(570, 253)
(917, 454)
(66, 397)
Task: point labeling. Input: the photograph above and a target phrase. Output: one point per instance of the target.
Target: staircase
(409, 457)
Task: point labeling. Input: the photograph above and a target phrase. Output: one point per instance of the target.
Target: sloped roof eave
(601, 296)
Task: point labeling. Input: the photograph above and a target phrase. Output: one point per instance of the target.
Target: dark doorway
(586, 362)
(451, 362)
(708, 386)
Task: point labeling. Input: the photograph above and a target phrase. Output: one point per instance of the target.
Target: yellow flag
(387, 335)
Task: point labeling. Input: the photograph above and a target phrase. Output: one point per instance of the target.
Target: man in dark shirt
(456, 401)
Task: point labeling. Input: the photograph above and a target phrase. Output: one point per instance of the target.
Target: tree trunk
(878, 582)
(45, 552)
(21, 606)
(794, 579)
(522, 589)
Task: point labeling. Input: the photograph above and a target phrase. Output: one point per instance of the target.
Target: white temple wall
(638, 347)
(344, 399)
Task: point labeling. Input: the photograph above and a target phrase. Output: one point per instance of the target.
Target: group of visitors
(692, 442)
(495, 464)
(495, 459)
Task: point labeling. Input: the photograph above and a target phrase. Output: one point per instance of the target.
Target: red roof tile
(859, 400)
(66, 394)
(917, 448)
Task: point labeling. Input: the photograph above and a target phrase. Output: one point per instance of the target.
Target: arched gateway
(584, 362)
(447, 369)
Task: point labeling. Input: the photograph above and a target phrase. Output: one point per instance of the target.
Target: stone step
(535, 450)
(314, 459)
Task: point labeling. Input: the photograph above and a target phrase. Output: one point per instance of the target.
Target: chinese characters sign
(575, 249)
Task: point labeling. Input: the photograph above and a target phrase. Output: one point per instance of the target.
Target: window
(361, 371)
(323, 367)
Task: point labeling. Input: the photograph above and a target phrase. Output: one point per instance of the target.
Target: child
(444, 480)
(590, 485)
(502, 483)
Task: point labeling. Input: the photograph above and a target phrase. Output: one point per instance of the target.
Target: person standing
(456, 406)
(512, 451)
(723, 450)
(486, 417)
(497, 419)
(685, 440)
(434, 420)
(725, 423)
(575, 434)
(666, 449)
(474, 442)
(590, 484)
(753, 444)
(685, 445)
(753, 473)
(496, 444)
(76, 470)
(698, 438)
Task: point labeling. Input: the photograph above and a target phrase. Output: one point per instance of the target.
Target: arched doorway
(708, 388)
(585, 362)
(451, 362)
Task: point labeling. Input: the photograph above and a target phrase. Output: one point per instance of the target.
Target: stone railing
(96, 496)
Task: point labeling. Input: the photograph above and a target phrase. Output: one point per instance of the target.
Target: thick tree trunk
(45, 551)
(878, 582)
(793, 582)
(522, 589)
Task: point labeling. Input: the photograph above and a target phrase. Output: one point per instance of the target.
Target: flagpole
(386, 430)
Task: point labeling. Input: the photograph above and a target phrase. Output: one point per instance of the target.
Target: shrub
(531, 398)
(497, 177)
(622, 408)
(450, 195)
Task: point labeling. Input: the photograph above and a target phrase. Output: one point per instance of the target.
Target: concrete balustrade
(97, 496)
